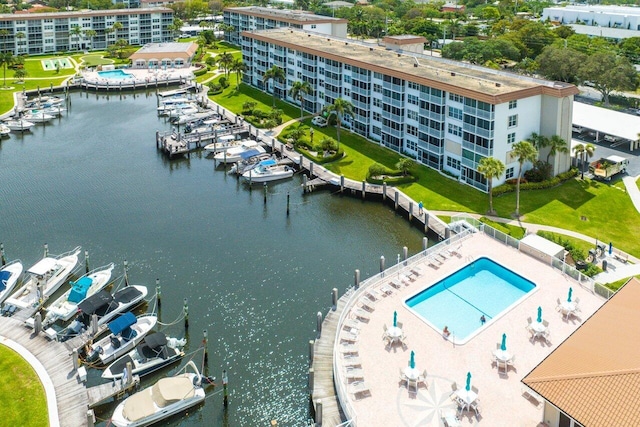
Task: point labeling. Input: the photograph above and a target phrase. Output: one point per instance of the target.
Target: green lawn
(22, 396)
(35, 69)
(93, 60)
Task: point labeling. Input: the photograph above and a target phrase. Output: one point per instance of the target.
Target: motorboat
(127, 331)
(39, 117)
(55, 110)
(250, 159)
(4, 130)
(267, 171)
(234, 154)
(105, 307)
(165, 398)
(223, 143)
(43, 279)
(67, 304)
(181, 110)
(9, 275)
(155, 352)
(20, 125)
(192, 118)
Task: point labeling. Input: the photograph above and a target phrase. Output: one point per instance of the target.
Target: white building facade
(39, 33)
(253, 18)
(624, 17)
(445, 114)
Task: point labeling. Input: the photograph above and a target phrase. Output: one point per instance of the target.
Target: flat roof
(608, 10)
(65, 15)
(172, 47)
(612, 33)
(485, 84)
(543, 245)
(607, 121)
(299, 16)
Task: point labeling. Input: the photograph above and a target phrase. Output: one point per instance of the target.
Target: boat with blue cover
(267, 171)
(9, 275)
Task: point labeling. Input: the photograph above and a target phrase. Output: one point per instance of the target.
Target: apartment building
(263, 18)
(446, 114)
(39, 33)
(624, 17)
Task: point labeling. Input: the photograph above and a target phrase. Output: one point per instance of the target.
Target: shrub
(592, 270)
(376, 170)
(214, 88)
(576, 253)
(540, 171)
(201, 71)
(510, 185)
(224, 82)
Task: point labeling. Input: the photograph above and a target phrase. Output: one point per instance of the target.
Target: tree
(584, 151)
(404, 165)
(556, 145)
(608, 72)
(4, 33)
(238, 67)
(20, 74)
(90, 34)
(562, 64)
(274, 73)
(630, 48)
(6, 60)
(491, 168)
(76, 31)
(224, 61)
(121, 44)
(524, 151)
(297, 91)
(328, 144)
(339, 109)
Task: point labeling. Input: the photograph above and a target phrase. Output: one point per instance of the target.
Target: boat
(19, 125)
(43, 279)
(9, 275)
(155, 352)
(165, 398)
(55, 111)
(39, 117)
(67, 305)
(234, 154)
(267, 171)
(4, 130)
(105, 307)
(250, 159)
(181, 110)
(192, 118)
(127, 331)
(223, 143)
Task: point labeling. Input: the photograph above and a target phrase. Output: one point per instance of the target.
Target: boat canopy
(268, 162)
(156, 339)
(4, 278)
(122, 323)
(94, 302)
(127, 294)
(79, 289)
(249, 153)
(42, 266)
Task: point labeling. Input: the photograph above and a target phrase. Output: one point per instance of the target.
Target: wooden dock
(71, 395)
(99, 393)
(175, 143)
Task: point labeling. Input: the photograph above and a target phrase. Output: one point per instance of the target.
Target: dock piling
(410, 211)
(158, 293)
(310, 169)
(264, 187)
(46, 249)
(126, 276)
(384, 191)
(319, 413)
(205, 340)
(396, 196)
(74, 359)
(86, 261)
(94, 324)
(2, 258)
(91, 418)
(425, 243)
(186, 315)
(311, 380)
(311, 350)
(356, 279)
(304, 183)
(225, 381)
(426, 222)
(318, 325)
(288, 197)
(37, 323)
(364, 189)
(341, 183)
(405, 254)
(381, 263)
(334, 299)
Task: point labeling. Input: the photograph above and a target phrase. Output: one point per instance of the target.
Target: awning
(249, 153)
(42, 266)
(606, 121)
(155, 340)
(122, 323)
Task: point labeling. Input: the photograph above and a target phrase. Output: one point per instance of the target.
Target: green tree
(524, 151)
(562, 64)
(404, 165)
(90, 34)
(629, 47)
(340, 108)
(6, 60)
(4, 33)
(274, 73)
(491, 168)
(328, 144)
(20, 74)
(224, 61)
(585, 151)
(297, 91)
(121, 44)
(238, 67)
(608, 72)
(556, 145)
(76, 31)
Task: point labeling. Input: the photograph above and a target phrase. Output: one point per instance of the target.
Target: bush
(576, 253)
(376, 169)
(511, 230)
(393, 180)
(591, 270)
(224, 82)
(201, 71)
(510, 185)
(540, 171)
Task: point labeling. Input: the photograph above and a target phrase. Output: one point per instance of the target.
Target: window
(376, 130)
(347, 67)
(510, 173)
(513, 120)
(413, 115)
(376, 116)
(347, 79)
(412, 99)
(347, 92)
(377, 102)
(412, 130)
(511, 138)
(414, 86)
(454, 130)
(313, 26)
(513, 104)
(453, 163)
(455, 97)
(456, 113)
(377, 88)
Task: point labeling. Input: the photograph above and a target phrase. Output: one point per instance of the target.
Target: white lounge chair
(417, 271)
(354, 373)
(360, 314)
(450, 419)
(395, 283)
(367, 303)
(358, 388)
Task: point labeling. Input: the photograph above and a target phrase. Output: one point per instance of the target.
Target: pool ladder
(469, 258)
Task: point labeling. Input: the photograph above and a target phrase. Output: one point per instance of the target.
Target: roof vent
(346, 43)
(415, 64)
(370, 49)
(399, 55)
(308, 35)
(498, 84)
(453, 74)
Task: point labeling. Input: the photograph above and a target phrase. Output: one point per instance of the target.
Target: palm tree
(556, 145)
(4, 33)
(90, 34)
(404, 165)
(584, 151)
(274, 73)
(224, 61)
(77, 32)
(20, 74)
(238, 67)
(297, 91)
(339, 108)
(6, 60)
(490, 168)
(524, 151)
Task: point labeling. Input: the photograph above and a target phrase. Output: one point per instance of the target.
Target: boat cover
(268, 162)
(249, 153)
(42, 266)
(4, 279)
(166, 391)
(156, 339)
(79, 289)
(94, 302)
(118, 366)
(122, 323)
(127, 294)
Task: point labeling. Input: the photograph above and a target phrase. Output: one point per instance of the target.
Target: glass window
(513, 104)
(511, 138)
(456, 113)
(454, 130)
(513, 120)
(510, 173)
(455, 97)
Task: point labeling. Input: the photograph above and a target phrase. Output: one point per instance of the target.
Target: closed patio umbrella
(468, 387)
(539, 315)
(503, 347)
(570, 292)
(412, 361)
(395, 319)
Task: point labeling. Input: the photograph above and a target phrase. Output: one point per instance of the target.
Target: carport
(607, 122)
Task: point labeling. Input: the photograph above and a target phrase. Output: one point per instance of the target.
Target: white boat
(250, 159)
(191, 118)
(223, 143)
(127, 331)
(156, 351)
(9, 275)
(165, 398)
(4, 130)
(67, 305)
(55, 110)
(19, 125)
(39, 117)
(234, 154)
(181, 110)
(44, 278)
(267, 171)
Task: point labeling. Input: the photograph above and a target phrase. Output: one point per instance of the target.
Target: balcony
(484, 114)
(360, 91)
(485, 133)
(390, 101)
(432, 132)
(392, 132)
(434, 116)
(486, 152)
(393, 117)
(393, 87)
(469, 163)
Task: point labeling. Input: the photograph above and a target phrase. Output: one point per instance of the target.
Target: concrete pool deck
(500, 396)
(140, 76)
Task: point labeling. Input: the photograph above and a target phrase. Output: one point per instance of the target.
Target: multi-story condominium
(446, 114)
(55, 32)
(263, 18)
(625, 17)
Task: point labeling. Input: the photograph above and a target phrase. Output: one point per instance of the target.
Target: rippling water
(254, 278)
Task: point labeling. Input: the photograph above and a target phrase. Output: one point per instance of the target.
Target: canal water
(254, 277)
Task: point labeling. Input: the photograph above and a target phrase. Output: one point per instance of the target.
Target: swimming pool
(115, 75)
(483, 287)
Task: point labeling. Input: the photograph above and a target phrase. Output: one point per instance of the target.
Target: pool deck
(140, 76)
(501, 396)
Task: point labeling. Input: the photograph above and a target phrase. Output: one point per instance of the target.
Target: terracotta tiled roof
(594, 376)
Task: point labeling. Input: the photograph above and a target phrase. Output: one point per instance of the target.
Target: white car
(319, 121)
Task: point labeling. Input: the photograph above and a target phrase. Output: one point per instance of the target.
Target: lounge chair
(349, 337)
(511, 362)
(366, 303)
(354, 373)
(412, 386)
(450, 419)
(431, 263)
(386, 289)
(395, 284)
(559, 304)
(417, 271)
(350, 361)
(402, 376)
(399, 325)
(545, 323)
(361, 314)
(352, 324)
(529, 321)
(358, 388)
(372, 294)
(348, 349)
(422, 379)
(474, 389)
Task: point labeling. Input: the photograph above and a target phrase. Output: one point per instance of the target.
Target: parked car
(319, 121)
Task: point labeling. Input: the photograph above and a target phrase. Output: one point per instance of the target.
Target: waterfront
(254, 277)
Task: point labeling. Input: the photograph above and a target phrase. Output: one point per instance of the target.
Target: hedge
(393, 180)
(556, 180)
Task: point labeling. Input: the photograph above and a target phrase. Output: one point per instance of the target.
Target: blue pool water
(115, 75)
(483, 287)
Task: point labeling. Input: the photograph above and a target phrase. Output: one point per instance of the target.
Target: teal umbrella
(395, 319)
(503, 347)
(570, 292)
(539, 315)
(468, 387)
(412, 361)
